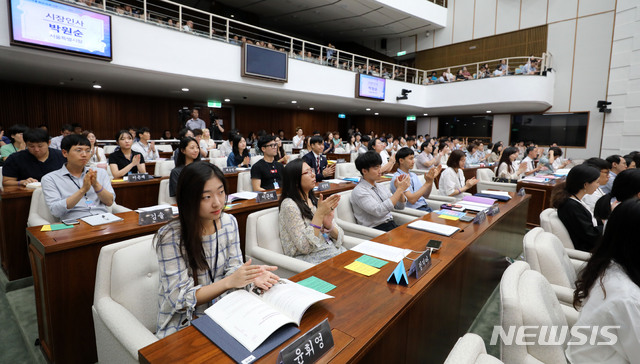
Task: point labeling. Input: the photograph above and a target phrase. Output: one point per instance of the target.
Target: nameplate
(341, 160)
(521, 192)
(480, 217)
(309, 347)
(155, 216)
(266, 196)
(227, 170)
(323, 186)
(421, 264)
(136, 177)
(493, 210)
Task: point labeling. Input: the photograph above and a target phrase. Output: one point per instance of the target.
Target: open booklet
(252, 317)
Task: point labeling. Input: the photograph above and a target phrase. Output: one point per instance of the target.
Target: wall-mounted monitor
(264, 63)
(370, 87)
(566, 129)
(49, 25)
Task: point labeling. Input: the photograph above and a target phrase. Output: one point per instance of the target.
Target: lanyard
(376, 192)
(215, 261)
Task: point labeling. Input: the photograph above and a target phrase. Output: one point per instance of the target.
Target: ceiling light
(227, 100)
(233, 16)
(294, 101)
(185, 89)
(488, 111)
(368, 109)
(425, 114)
(95, 85)
(377, 113)
(311, 108)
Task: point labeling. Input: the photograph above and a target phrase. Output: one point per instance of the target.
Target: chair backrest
(39, 213)
(128, 273)
(551, 223)
(470, 349)
(165, 148)
(221, 162)
(344, 211)
(1, 178)
(163, 168)
(163, 194)
(256, 158)
(215, 153)
(344, 170)
(244, 181)
(527, 299)
(108, 149)
(545, 254)
(262, 231)
(484, 174)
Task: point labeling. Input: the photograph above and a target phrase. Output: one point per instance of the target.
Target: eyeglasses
(274, 145)
(308, 171)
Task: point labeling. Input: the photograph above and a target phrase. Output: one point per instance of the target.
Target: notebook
(101, 219)
(433, 227)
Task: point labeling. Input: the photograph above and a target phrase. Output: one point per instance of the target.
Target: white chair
(244, 181)
(293, 156)
(215, 153)
(164, 168)
(163, 194)
(125, 300)
(545, 254)
(165, 148)
(263, 244)
(485, 182)
(550, 222)
(527, 299)
(288, 147)
(470, 349)
(1, 189)
(256, 158)
(220, 162)
(39, 213)
(344, 170)
(108, 149)
(345, 219)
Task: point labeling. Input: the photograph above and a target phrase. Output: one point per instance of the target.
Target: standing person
(584, 229)
(16, 137)
(452, 182)
(199, 254)
(608, 291)
(195, 122)
(124, 160)
(216, 129)
(266, 174)
(239, 157)
(145, 146)
(188, 152)
(298, 139)
(66, 129)
(317, 161)
(97, 153)
(307, 228)
(417, 192)
(74, 191)
(371, 204)
(506, 165)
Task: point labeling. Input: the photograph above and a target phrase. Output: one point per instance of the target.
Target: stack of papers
(381, 251)
(433, 227)
(496, 193)
(334, 180)
(101, 219)
(174, 209)
(245, 195)
(562, 172)
(534, 179)
(474, 206)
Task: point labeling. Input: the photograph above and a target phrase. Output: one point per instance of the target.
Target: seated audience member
(266, 174)
(337, 141)
(125, 160)
(378, 146)
(188, 152)
(472, 155)
(530, 68)
(77, 129)
(452, 182)
(506, 165)
(608, 291)
(195, 122)
(281, 155)
(500, 71)
(317, 161)
(35, 161)
(166, 135)
(618, 164)
(531, 155)
(364, 144)
(626, 185)
(584, 229)
(496, 153)
(64, 131)
(426, 160)
(204, 149)
(372, 204)
(184, 132)
(239, 156)
(97, 153)
(329, 147)
(16, 141)
(74, 191)
(306, 147)
(603, 166)
(199, 252)
(134, 133)
(307, 229)
(145, 146)
(206, 138)
(556, 160)
(299, 138)
(3, 138)
(417, 192)
(467, 75)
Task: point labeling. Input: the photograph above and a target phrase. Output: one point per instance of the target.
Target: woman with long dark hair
(608, 290)
(584, 229)
(496, 153)
(199, 254)
(506, 167)
(188, 152)
(239, 156)
(307, 228)
(125, 160)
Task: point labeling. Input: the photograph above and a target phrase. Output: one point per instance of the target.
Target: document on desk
(174, 209)
(362, 268)
(382, 251)
(433, 227)
(251, 318)
(101, 219)
(244, 195)
(335, 181)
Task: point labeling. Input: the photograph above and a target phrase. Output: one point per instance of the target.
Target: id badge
(276, 184)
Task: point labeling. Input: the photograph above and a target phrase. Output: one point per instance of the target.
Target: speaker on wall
(383, 43)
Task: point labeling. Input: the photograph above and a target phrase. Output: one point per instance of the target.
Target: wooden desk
(336, 156)
(380, 322)
(64, 264)
(134, 195)
(540, 198)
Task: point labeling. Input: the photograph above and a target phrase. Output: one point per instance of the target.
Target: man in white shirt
(144, 146)
(195, 122)
(531, 155)
(67, 129)
(603, 166)
(618, 164)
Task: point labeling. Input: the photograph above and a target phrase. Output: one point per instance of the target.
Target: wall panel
(562, 10)
(534, 13)
(463, 20)
(485, 18)
(560, 43)
(508, 16)
(588, 7)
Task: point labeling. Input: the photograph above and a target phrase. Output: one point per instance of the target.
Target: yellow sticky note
(362, 268)
(46, 228)
(117, 180)
(447, 217)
